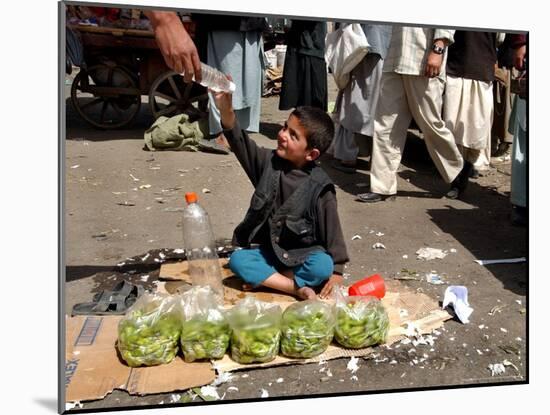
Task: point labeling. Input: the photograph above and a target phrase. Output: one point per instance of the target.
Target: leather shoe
(460, 183)
(370, 197)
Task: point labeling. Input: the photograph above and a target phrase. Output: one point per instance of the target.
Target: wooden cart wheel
(106, 96)
(170, 95)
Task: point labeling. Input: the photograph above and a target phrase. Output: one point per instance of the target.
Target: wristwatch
(437, 49)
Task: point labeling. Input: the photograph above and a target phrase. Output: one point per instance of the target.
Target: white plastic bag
(345, 48)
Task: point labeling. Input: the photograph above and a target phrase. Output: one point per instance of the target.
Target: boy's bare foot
(306, 293)
(222, 141)
(247, 287)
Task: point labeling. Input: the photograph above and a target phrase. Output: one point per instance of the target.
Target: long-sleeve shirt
(410, 47)
(254, 160)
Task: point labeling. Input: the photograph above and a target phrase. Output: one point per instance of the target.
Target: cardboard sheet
(93, 367)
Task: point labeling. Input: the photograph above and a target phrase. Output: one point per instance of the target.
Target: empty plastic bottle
(200, 247)
(215, 80)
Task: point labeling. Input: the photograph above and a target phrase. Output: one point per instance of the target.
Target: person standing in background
(305, 70)
(518, 127)
(356, 103)
(468, 98)
(234, 46)
(412, 87)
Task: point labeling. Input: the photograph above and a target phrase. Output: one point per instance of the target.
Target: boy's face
(292, 143)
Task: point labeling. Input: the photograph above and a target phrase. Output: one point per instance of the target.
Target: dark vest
(292, 227)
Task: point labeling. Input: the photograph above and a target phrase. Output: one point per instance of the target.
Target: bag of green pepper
(255, 330)
(360, 321)
(205, 331)
(149, 332)
(307, 328)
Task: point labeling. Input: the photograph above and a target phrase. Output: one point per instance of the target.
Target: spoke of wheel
(187, 92)
(174, 87)
(117, 109)
(164, 96)
(92, 102)
(110, 76)
(103, 110)
(167, 110)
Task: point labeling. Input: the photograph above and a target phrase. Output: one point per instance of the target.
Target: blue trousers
(254, 266)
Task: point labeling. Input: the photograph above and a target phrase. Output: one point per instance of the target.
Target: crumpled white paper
(457, 297)
(430, 253)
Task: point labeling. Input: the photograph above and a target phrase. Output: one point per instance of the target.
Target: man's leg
(425, 98)
(390, 133)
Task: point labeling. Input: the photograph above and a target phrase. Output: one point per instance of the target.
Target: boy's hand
(334, 280)
(224, 103)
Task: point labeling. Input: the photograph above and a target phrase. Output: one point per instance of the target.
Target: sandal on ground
(114, 302)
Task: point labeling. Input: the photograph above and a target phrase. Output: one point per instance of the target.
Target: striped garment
(410, 47)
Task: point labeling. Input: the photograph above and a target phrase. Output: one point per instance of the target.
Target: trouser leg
(390, 133)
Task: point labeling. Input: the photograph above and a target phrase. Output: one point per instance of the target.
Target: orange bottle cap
(191, 197)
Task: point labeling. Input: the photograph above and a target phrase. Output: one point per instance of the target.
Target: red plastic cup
(373, 285)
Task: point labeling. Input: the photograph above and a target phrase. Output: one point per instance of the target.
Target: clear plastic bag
(361, 321)
(255, 330)
(149, 332)
(307, 328)
(205, 331)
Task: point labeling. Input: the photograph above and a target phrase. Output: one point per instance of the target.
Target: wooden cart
(122, 65)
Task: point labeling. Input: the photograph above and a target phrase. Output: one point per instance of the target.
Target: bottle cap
(191, 197)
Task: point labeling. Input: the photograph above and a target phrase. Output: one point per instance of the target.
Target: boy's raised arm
(253, 158)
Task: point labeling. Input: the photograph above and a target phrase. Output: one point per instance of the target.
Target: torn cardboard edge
(425, 325)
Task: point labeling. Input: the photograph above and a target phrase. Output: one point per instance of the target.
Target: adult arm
(442, 39)
(177, 47)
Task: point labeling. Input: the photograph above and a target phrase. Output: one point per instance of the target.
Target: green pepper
(202, 339)
(307, 329)
(360, 323)
(255, 331)
(255, 344)
(148, 338)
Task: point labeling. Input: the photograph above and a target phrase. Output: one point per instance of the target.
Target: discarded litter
(434, 278)
(497, 369)
(134, 178)
(496, 309)
(379, 234)
(126, 203)
(232, 388)
(378, 245)
(205, 190)
(145, 186)
(502, 329)
(207, 393)
(76, 166)
(352, 364)
(500, 261)
(430, 253)
(405, 256)
(265, 394)
(354, 237)
(457, 297)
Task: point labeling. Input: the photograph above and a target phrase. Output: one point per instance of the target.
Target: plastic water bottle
(215, 80)
(200, 248)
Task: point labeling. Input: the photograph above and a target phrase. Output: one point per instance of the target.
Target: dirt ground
(105, 169)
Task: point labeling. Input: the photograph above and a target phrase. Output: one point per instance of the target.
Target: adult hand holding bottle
(177, 47)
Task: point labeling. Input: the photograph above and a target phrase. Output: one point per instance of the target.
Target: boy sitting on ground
(293, 216)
